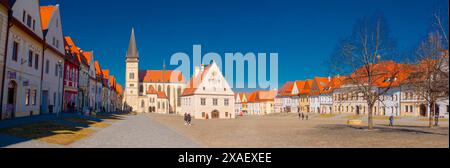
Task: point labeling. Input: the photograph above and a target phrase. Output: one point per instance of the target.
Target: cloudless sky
(303, 32)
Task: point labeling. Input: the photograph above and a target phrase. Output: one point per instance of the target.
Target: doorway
(423, 110)
(215, 114)
(45, 102)
(11, 100)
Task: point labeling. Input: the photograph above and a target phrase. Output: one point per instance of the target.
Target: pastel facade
(54, 53)
(22, 84)
(208, 95)
(262, 102)
(5, 11)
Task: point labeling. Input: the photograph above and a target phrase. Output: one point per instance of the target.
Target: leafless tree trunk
(362, 56)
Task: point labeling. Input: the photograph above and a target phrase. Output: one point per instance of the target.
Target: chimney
(202, 68)
(329, 78)
(196, 70)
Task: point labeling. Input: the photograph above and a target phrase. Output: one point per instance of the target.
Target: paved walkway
(132, 132)
(135, 132)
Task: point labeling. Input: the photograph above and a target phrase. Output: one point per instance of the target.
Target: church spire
(132, 49)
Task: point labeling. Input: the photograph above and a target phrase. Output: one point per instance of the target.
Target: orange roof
(88, 57)
(319, 85)
(307, 87)
(286, 89)
(119, 89)
(385, 74)
(262, 96)
(161, 95)
(112, 81)
(161, 76)
(105, 73)
(98, 70)
(46, 15)
(335, 83)
(192, 85)
(151, 90)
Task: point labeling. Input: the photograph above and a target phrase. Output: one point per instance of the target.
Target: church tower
(132, 73)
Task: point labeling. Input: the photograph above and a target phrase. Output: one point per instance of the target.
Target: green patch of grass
(49, 132)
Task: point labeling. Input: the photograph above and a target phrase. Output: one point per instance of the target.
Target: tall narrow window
(47, 66)
(215, 102)
(27, 97)
(131, 75)
(29, 21)
(24, 16)
(33, 95)
(30, 58)
(203, 101)
(226, 102)
(15, 51)
(36, 62)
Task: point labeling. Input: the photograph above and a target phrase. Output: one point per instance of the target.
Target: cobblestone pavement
(289, 131)
(131, 132)
(135, 132)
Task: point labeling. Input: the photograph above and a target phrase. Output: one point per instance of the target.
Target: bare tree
(430, 79)
(363, 55)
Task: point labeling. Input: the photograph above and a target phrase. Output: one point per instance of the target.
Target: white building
(284, 101)
(52, 83)
(317, 89)
(4, 13)
(262, 102)
(22, 84)
(208, 95)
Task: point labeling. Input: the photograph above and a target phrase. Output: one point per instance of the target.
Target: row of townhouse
(260, 102)
(43, 72)
(337, 95)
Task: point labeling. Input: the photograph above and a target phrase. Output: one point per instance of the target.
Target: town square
(68, 80)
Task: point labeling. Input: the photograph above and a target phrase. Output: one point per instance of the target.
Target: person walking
(391, 121)
(307, 116)
(189, 119)
(185, 119)
(303, 116)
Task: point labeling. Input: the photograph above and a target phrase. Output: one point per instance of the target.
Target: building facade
(208, 95)
(22, 84)
(52, 78)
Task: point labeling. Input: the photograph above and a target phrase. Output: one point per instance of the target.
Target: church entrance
(215, 114)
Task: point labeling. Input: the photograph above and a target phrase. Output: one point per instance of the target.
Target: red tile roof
(286, 89)
(161, 76)
(151, 90)
(262, 96)
(98, 70)
(162, 95)
(46, 15)
(192, 85)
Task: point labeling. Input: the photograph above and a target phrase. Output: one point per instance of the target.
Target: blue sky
(304, 33)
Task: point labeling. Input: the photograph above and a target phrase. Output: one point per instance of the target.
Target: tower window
(131, 75)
